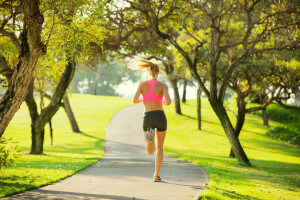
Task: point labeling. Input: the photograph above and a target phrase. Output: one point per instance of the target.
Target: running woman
(153, 92)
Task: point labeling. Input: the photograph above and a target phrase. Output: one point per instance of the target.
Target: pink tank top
(150, 96)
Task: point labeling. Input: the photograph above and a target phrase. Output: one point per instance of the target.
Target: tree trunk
(199, 91)
(47, 113)
(263, 99)
(37, 145)
(97, 78)
(51, 131)
(265, 118)
(95, 86)
(70, 114)
(240, 119)
(176, 95)
(37, 134)
(184, 91)
(31, 50)
(38, 121)
(230, 132)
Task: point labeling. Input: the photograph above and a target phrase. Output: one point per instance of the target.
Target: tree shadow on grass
(194, 118)
(87, 135)
(14, 184)
(11, 185)
(253, 120)
(232, 194)
(273, 145)
(188, 116)
(226, 170)
(75, 149)
(68, 147)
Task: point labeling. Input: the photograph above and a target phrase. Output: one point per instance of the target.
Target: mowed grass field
(70, 153)
(275, 173)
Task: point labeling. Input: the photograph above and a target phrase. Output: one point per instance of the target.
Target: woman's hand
(167, 100)
(140, 99)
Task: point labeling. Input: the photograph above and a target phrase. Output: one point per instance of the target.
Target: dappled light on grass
(276, 164)
(70, 153)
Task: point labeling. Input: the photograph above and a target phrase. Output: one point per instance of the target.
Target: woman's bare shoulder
(143, 83)
(162, 84)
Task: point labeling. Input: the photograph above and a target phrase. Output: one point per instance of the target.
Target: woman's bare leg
(149, 145)
(160, 138)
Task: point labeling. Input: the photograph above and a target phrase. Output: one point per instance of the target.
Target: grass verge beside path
(276, 164)
(70, 153)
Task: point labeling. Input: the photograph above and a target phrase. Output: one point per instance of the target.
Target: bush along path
(289, 129)
(126, 171)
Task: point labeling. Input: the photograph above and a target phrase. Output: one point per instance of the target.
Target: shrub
(9, 152)
(289, 133)
(280, 114)
(290, 130)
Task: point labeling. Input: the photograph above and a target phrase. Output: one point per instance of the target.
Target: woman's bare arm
(136, 98)
(166, 95)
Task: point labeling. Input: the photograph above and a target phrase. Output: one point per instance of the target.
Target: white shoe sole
(150, 134)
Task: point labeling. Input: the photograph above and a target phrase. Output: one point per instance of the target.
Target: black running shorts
(155, 119)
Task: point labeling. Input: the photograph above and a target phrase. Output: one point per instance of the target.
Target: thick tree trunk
(240, 119)
(265, 118)
(37, 134)
(70, 114)
(184, 91)
(230, 132)
(38, 122)
(37, 145)
(199, 91)
(176, 95)
(31, 50)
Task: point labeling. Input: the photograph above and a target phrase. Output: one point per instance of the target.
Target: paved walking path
(126, 171)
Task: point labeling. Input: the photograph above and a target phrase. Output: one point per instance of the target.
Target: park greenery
(244, 50)
(274, 174)
(289, 130)
(275, 163)
(61, 159)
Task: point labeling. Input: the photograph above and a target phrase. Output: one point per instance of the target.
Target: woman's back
(152, 102)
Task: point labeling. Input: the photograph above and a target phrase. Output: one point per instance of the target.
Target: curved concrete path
(125, 171)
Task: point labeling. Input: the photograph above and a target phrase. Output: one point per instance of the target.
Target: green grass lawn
(70, 153)
(275, 173)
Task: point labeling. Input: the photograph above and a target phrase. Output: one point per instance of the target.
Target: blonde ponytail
(139, 63)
